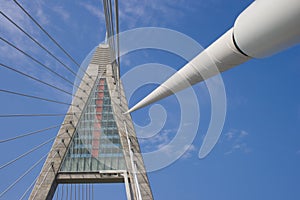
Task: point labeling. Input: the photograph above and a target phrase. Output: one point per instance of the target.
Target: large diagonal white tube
(198, 69)
(264, 28)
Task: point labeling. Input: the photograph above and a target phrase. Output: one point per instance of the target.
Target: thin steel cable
(92, 191)
(112, 37)
(41, 46)
(86, 191)
(118, 49)
(27, 190)
(30, 133)
(108, 25)
(62, 191)
(111, 34)
(111, 27)
(50, 37)
(71, 197)
(22, 176)
(82, 191)
(112, 24)
(110, 18)
(71, 190)
(79, 191)
(117, 31)
(38, 80)
(34, 115)
(57, 191)
(27, 153)
(40, 172)
(67, 191)
(42, 180)
(35, 97)
(107, 20)
(41, 64)
(50, 163)
(75, 191)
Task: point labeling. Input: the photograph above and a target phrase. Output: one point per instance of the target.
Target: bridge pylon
(96, 142)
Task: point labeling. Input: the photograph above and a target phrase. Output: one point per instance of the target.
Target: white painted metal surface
(219, 56)
(136, 182)
(127, 187)
(265, 27)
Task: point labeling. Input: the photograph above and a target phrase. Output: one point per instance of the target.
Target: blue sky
(258, 154)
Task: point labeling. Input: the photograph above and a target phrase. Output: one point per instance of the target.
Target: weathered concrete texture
(50, 176)
(124, 121)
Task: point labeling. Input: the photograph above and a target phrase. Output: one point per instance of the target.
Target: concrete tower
(96, 142)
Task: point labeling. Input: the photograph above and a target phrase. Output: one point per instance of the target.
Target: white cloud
(12, 34)
(163, 138)
(235, 141)
(11, 11)
(38, 11)
(94, 10)
(41, 17)
(159, 140)
(243, 134)
(61, 12)
(144, 12)
(184, 152)
(162, 142)
(17, 60)
(189, 152)
(229, 135)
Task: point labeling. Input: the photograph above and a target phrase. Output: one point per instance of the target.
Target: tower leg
(127, 186)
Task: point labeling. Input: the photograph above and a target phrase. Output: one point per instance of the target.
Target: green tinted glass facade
(96, 143)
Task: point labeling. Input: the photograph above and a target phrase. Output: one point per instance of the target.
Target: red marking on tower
(98, 118)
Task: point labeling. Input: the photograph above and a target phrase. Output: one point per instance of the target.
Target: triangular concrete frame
(133, 175)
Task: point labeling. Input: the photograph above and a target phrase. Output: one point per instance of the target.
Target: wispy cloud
(182, 152)
(12, 12)
(236, 101)
(162, 142)
(189, 152)
(94, 10)
(43, 19)
(159, 140)
(16, 59)
(61, 12)
(9, 32)
(135, 13)
(163, 137)
(235, 141)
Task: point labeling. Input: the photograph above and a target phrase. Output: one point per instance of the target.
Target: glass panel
(96, 143)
